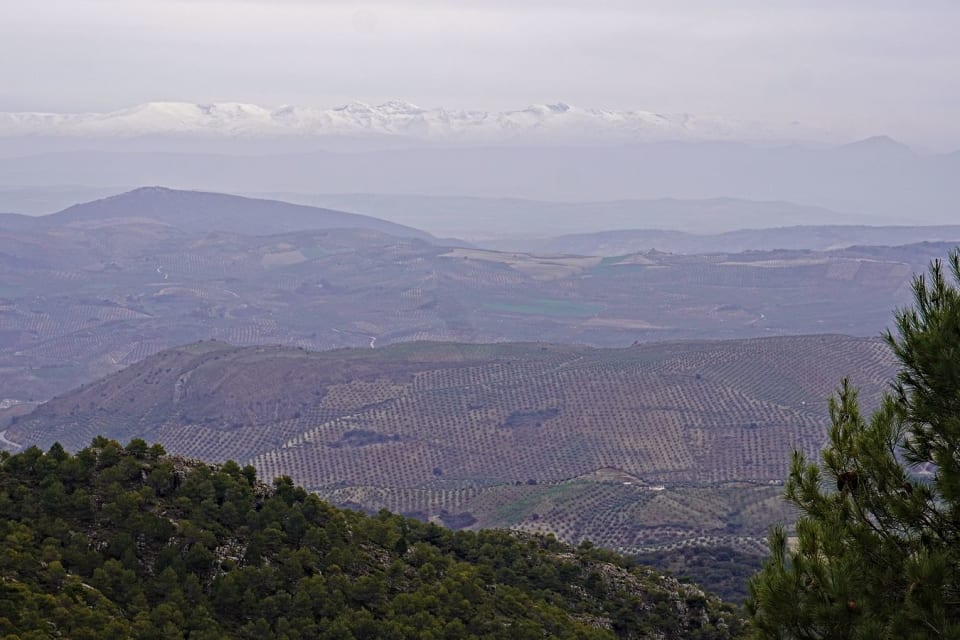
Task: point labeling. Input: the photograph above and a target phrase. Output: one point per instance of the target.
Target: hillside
(129, 543)
(201, 212)
(82, 300)
(479, 410)
(647, 448)
(510, 224)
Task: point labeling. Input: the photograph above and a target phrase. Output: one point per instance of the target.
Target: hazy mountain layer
(587, 228)
(201, 212)
(879, 179)
(79, 302)
(817, 238)
(99, 292)
(35, 201)
(523, 225)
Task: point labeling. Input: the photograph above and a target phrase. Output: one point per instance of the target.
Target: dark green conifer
(877, 547)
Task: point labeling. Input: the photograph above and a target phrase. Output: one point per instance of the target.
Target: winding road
(8, 443)
(373, 339)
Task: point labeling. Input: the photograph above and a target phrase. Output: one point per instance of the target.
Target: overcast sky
(858, 66)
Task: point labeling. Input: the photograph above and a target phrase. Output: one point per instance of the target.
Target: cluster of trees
(877, 547)
(124, 541)
(722, 570)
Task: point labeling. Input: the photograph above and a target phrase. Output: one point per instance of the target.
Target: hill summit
(204, 212)
(207, 212)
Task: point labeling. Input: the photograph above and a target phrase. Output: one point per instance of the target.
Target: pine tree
(877, 547)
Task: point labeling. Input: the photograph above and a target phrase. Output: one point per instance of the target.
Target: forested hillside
(118, 542)
(668, 449)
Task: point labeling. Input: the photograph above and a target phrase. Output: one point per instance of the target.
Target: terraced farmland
(643, 448)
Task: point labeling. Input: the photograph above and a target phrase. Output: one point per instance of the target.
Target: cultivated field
(81, 301)
(641, 448)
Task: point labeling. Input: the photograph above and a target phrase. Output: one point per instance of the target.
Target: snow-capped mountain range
(557, 122)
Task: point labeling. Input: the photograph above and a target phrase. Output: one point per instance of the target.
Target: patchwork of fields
(82, 301)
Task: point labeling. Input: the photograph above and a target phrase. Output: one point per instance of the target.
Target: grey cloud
(860, 67)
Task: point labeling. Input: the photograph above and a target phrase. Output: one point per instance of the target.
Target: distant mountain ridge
(202, 212)
(392, 118)
(883, 185)
(808, 237)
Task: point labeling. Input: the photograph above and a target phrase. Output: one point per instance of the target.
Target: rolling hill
(202, 212)
(644, 448)
(83, 299)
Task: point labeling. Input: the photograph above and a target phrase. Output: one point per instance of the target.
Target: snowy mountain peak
(558, 122)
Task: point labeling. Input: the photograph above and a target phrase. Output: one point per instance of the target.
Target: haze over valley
(876, 181)
(115, 287)
(410, 320)
(100, 285)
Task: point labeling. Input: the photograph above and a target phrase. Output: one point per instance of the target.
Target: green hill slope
(118, 542)
(668, 449)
